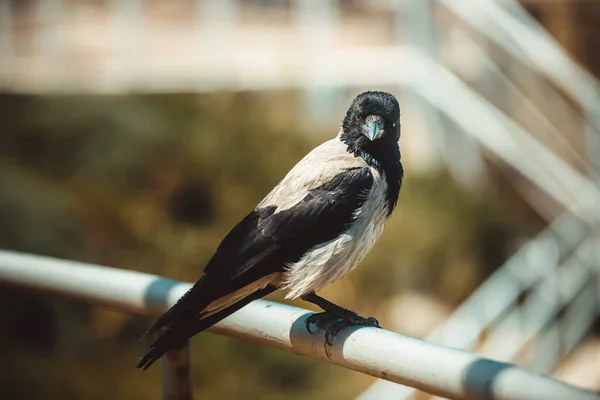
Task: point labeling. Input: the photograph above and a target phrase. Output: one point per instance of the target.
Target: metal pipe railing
(529, 265)
(435, 369)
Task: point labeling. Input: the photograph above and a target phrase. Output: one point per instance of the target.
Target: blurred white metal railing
(377, 352)
(321, 70)
(553, 292)
(510, 327)
(537, 269)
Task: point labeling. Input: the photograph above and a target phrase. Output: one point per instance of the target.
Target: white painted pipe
(435, 369)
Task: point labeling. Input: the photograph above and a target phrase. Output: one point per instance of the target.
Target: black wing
(266, 237)
(265, 241)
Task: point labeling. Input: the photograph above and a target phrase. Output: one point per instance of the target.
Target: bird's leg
(342, 316)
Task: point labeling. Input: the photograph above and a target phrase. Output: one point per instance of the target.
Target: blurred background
(136, 133)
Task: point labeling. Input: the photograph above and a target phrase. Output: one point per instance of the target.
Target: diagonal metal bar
(525, 40)
(505, 138)
(555, 291)
(464, 327)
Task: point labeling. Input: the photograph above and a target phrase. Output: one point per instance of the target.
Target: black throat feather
(382, 154)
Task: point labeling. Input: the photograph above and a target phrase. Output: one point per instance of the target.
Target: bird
(313, 228)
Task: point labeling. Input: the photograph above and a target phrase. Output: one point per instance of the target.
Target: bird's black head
(371, 124)
(371, 130)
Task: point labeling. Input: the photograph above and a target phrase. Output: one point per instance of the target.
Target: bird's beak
(373, 130)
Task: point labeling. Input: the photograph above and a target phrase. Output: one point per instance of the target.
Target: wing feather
(267, 240)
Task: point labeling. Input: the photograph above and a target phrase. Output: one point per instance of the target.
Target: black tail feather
(176, 336)
(186, 306)
(160, 346)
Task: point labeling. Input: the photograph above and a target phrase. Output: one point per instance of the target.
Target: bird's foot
(336, 323)
(321, 319)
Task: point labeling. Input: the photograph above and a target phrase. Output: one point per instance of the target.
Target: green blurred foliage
(152, 183)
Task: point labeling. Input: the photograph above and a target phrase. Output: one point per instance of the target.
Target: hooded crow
(313, 228)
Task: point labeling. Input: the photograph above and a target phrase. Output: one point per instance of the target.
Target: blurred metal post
(413, 25)
(6, 38)
(216, 29)
(128, 64)
(216, 20)
(51, 41)
(175, 373)
(317, 22)
(415, 21)
(592, 139)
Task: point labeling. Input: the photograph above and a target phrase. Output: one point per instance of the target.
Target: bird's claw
(318, 319)
(369, 321)
(340, 323)
(355, 320)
